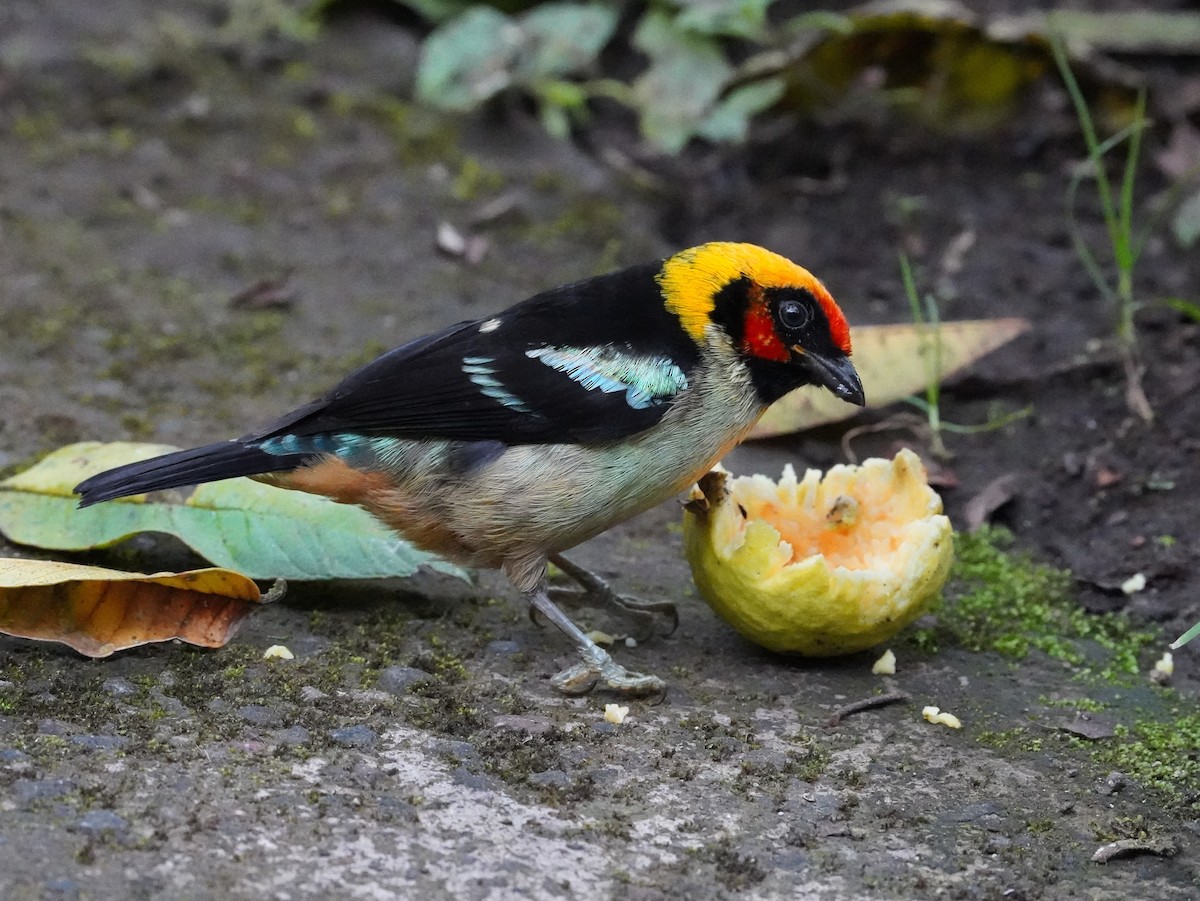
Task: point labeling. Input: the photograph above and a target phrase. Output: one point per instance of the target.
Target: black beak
(838, 375)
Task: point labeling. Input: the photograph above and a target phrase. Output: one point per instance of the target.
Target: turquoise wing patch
(646, 380)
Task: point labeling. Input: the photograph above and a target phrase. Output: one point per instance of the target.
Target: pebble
(550, 779)
(170, 706)
(100, 821)
(99, 742)
(502, 648)
(973, 812)
(293, 735)
(448, 747)
(525, 723)
(398, 680)
(260, 715)
(353, 736)
(119, 688)
(29, 791)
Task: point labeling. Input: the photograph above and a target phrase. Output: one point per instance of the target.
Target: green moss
(1159, 754)
(1088, 705)
(39, 127)
(1039, 826)
(420, 136)
(1017, 738)
(1003, 601)
(474, 179)
(585, 217)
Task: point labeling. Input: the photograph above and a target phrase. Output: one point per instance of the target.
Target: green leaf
(728, 18)
(730, 120)
(264, 532)
(1185, 637)
(436, 10)
(475, 56)
(468, 60)
(564, 38)
(1185, 307)
(676, 94)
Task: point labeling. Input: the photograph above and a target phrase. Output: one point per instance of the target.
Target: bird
(504, 441)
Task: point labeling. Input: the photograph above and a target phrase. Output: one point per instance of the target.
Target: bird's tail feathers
(223, 460)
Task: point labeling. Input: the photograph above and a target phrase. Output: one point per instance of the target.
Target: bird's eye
(793, 314)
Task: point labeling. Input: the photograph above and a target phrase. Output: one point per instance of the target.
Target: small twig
(892, 697)
(900, 422)
(1127, 846)
(275, 592)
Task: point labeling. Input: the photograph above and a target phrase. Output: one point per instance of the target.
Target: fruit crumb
(941, 718)
(1164, 668)
(885, 665)
(615, 713)
(1134, 583)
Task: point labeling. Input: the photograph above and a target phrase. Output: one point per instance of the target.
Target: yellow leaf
(891, 361)
(98, 611)
(59, 473)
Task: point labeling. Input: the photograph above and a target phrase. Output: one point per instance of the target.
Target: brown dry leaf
(98, 611)
(995, 494)
(891, 361)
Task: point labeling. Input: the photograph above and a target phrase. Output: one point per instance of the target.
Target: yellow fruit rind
(820, 566)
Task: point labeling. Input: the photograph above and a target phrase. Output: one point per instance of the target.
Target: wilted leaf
(265, 532)
(890, 359)
(1185, 224)
(995, 494)
(939, 60)
(1137, 31)
(98, 611)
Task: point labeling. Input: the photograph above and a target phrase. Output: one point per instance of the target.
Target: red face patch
(839, 328)
(759, 337)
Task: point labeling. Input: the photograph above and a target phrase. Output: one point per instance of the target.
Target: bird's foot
(599, 592)
(583, 677)
(597, 668)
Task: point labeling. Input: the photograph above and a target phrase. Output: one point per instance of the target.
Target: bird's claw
(643, 611)
(639, 607)
(583, 677)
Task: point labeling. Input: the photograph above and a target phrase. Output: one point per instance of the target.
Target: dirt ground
(154, 165)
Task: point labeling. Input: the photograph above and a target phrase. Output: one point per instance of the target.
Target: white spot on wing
(490, 326)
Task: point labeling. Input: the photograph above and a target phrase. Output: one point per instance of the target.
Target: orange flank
(334, 479)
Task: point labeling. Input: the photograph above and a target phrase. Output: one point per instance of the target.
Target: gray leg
(529, 575)
(597, 666)
(598, 590)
